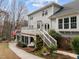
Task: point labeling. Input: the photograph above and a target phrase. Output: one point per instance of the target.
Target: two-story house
(62, 19)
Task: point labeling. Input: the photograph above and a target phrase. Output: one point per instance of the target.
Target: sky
(35, 4)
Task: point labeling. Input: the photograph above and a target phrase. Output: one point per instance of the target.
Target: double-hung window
(73, 22)
(66, 23)
(31, 17)
(60, 23)
(45, 12)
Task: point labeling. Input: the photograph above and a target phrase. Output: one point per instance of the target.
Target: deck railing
(47, 38)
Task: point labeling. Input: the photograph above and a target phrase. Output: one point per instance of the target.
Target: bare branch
(1, 1)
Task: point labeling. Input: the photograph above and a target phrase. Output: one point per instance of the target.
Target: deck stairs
(49, 40)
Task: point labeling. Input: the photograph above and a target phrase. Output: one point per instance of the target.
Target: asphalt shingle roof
(72, 7)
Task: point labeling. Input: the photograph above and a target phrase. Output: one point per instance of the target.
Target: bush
(55, 35)
(45, 51)
(65, 43)
(75, 44)
(38, 53)
(53, 49)
(39, 43)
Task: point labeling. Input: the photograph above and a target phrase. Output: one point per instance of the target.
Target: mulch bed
(27, 49)
(59, 56)
(71, 51)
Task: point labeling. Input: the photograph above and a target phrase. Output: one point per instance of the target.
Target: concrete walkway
(67, 53)
(21, 53)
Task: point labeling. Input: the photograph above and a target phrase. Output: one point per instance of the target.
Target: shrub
(38, 53)
(65, 43)
(55, 34)
(75, 44)
(53, 49)
(39, 43)
(45, 51)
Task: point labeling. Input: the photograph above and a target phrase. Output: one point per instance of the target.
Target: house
(67, 19)
(62, 19)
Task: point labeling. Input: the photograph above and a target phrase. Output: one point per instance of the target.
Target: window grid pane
(73, 22)
(60, 23)
(66, 23)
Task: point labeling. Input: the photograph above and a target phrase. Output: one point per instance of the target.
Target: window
(31, 18)
(66, 23)
(44, 13)
(26, 40)
(18, 37)
(31, 40)
(32, 26)
(45, 26)
(73, 22)
(22, 38)
(60, 23)
(48, 26)
(39, 24)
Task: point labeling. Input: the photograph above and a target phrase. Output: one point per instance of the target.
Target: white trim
(75, 29)
(29, 40)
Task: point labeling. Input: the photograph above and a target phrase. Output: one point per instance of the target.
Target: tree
(4, 17)
(21, 23)
(21, 14)
(5, 25)
(18, 12)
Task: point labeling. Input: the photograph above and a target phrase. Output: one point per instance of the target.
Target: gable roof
(46, 6)
(70, 8)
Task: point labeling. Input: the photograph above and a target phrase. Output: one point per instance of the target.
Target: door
(26, 40)
(53, 24)
(47, 26)
(39, 24)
